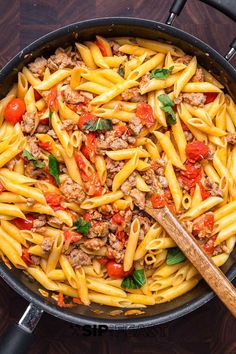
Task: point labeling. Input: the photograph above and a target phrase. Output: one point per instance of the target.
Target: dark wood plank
(209, 330)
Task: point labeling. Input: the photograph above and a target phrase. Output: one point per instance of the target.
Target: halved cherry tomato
(81, 165)
(72, 236)
(45, 145)
(117, 219)
(204, 193)
(37, 95)
(196, 151)
(191, 175)
(24, 224)
(54, 199)
(87, 216)
(85, 118)
(102, 260)
(52, 99)
(145, 113)
(101, 46)
(44, 121)
(14, 110)
(89, 148)
(209, 246)
(203, 222)
(210, 96)
(158, 201)
(121, 235)
(26, 256)
(116, 270)
(94, 186)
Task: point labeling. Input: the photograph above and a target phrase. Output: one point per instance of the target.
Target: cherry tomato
(87, 216)
(196, 151)
(45, 145)
(102, 260)
(94, 186)
(204, 193)
(101, 46)
(116, 270)
(191, 175)
(203, 222)
(85, 118)
(24, 224)
(14, 110)
(117, 219)
(54, 199)
(37, 95)
(44, 121)
(210, 97)
(209, 246)
(89, 148)
(158, 201)
(52, 99)
(25, 255)
(121, 235)
(145, 113)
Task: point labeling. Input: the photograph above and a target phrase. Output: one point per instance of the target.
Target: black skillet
(19, 336)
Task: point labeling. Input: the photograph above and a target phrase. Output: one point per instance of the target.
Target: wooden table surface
(209, 330)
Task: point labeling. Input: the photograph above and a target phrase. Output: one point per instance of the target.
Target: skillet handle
(18, 337)
(16, 340)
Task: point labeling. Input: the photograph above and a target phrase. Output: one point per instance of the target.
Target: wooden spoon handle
(212, 274)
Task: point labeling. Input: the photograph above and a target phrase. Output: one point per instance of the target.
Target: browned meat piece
(28, 122)
(106, 142)
(144, 82)
(38, 66)
(129, 184)
(162, 182)
(212, 187)
(87, 95)
(188, 135)
(188, 225)
(198, 76)
(30, 202)
(34, 172)
(78, 258)
(47, 244)
(60, 60)
(138, 198)
(39, 222)
(52, 133)
(184, 60)
(11, 164)
(54, 221)
(231, 138)
(34, 149)
(135, 125)
(42, 129)
(115, 48)
(145, 224)
(194, 98)
(113, 166)
(72, 96)
(94, 244)
(118, 144)
(202, 227)
(152, 180)
(69, 125)
(133, 94)
(95, 215)
(98, 229)
(35, 259)
(72, 191)
(115, 248)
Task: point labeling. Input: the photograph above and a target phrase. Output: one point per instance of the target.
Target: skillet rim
(5, 273)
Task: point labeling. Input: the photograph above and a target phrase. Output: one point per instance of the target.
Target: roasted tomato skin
(210, 97)
(14, 110)
(145, 113)
(24, 224)
(196, 151)
(116, 270)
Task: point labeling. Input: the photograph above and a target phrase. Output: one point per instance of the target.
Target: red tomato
(87, 216)
(121, 235)
(44, 121)
(14, 110)
(209, 246)
(89, 148)
(94, 186)
(45, 145)
(72, 236)
(145, 113)
(101, 46)
(102, 260)
(85, 118)
(204, 222)
(117, 219)
(54, 199)
(61, 303)
(76, 300)
(25, 255)
(158, 201)
(210, 97)
(24, 224)
(52, 99)
(116, 270)
(191, 175)
(184, 126)
(37, 95)
(196, 151)
(204, 193)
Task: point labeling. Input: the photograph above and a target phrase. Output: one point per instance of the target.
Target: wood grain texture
(209, 330)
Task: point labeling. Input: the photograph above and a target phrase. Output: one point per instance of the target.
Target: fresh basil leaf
(165, 100)
(161, 73)
(175, 256)
(171, 119)
(26, 154)
(54, 168)
(121, 71)
(50, 118)
(135, 281)
(98, 124)
(82, 226)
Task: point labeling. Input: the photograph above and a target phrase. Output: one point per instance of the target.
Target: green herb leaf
(82, 226)
(171, 119)
(121, 71)
(135, 281)
(50, 118)
(54, 168)
(26, 154)
(165, 100)
(161, 73)
(175, 256)
(99, 124)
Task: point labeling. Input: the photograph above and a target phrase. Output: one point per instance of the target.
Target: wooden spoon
(190, 247)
